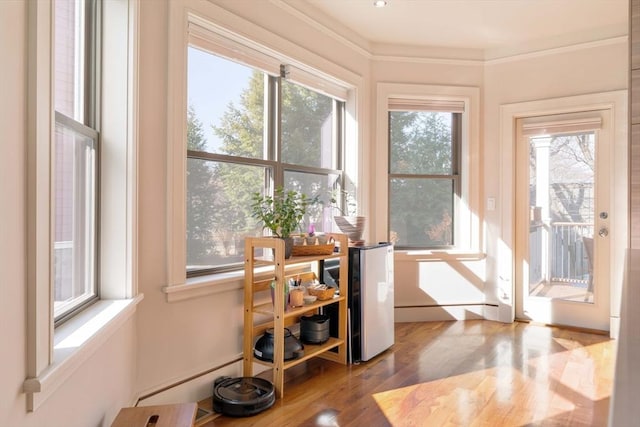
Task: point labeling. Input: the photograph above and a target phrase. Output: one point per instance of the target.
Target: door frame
(594, 314)
(615, 102)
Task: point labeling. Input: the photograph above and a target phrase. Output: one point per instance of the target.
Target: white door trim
(614, 101)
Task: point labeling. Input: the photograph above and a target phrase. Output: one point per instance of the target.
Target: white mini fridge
(371, 301)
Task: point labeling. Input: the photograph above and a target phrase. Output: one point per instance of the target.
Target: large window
(424, 174)
(67, 208)
(251, 130)
(75, 156)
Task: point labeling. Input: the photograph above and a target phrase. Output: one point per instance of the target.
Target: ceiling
(494, 27)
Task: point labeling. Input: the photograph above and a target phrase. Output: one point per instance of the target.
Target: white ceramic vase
(352, 226)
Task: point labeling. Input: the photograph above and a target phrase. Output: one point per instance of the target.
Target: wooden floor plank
(464, 373)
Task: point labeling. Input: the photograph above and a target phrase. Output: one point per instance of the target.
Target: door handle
(603, 232)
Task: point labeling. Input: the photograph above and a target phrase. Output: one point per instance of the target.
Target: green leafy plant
(336, 198)
(281, 213)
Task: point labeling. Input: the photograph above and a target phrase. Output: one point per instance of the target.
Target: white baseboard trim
(193, 390)
(201, 387)
(614, 327)
(491, 312)
(439, 313)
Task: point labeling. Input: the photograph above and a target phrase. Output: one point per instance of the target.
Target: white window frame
(467, 222)
(212, 20)
(82, 122)
(272, 161)
(54, 354)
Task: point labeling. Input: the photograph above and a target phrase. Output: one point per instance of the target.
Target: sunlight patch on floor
(547, 387)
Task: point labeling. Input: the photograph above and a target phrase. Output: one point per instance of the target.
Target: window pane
(421, 212)
(320, 215)
(70, 58)
(226, 100)
(219, 212)
(307, 127)
(421, 142)
(74, 219)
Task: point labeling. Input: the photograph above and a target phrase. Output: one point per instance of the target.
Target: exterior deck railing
(568, 261)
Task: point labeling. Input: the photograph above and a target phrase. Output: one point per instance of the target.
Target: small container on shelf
(296, 297)
(323, 292)
(309, 299)
(315, 249)
(286, 293)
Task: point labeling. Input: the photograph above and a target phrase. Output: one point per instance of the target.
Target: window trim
(468, 225)
(48, 366)
(88, 127)
(272, 162)
(455, 176)
(222, 21)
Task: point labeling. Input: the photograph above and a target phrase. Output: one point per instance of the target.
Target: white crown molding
(432, 54)
(427, 60)
(313, 22)
(558, 50)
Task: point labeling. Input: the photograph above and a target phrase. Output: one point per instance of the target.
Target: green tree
(305, 121)
(303, 126)
(421, 202)
(241, 130)
(200, 197)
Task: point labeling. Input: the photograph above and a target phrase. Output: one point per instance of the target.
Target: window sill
(74, 342)
(195, 287)
(438, 255)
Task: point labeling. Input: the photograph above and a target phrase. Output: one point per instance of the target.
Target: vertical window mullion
(92, 64)
(456, 135)
(276, 134)
(340, 137)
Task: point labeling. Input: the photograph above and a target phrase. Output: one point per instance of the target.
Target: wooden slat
(178, 415)
(282, 317)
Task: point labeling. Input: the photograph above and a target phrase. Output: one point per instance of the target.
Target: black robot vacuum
(242, 396)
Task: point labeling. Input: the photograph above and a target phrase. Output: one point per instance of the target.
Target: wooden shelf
(334, 349)
(310, 350)
(267, 308)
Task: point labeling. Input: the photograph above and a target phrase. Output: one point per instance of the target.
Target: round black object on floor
(242, 396)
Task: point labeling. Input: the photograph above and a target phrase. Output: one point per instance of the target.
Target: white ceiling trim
(426, 60)
(322, 28)
(558, 50)
(425, 55)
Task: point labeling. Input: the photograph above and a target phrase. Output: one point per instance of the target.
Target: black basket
(314, 329)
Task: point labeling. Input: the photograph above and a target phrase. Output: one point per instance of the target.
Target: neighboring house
(176, 331)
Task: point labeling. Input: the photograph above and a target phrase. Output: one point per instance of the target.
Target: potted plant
(281, 213)
(349, 223)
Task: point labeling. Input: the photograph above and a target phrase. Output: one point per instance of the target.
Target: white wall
(185, 338)
(167, 342)
(12, 215)
(96, 390)
(425, 283)
(597, 68)
(592, 68)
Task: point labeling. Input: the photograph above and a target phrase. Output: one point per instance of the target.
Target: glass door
(562, 221)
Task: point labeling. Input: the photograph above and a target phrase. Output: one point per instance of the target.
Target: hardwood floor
(471, 373)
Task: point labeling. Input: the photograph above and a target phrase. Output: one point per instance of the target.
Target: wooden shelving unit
(258, 317)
